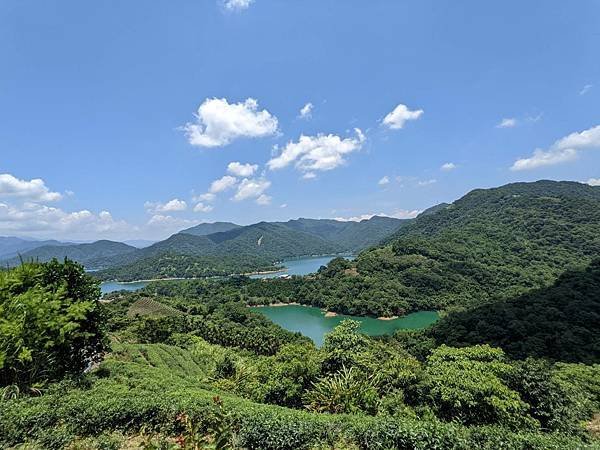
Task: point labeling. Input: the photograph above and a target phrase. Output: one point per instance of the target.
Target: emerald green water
(311, 321)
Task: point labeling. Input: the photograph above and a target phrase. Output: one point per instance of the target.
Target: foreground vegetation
(190, 366)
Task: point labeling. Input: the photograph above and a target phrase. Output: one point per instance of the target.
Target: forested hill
(561, 322)
(93, 255)
(11, 246)
(209, 228)
(350, 236)
(490, 244)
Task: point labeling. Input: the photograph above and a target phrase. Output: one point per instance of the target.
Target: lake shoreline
(315, 322)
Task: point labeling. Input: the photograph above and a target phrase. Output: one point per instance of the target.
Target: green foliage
(49, 323)
(343, 345)
(470, 385)
(561, 322)
(346, 391)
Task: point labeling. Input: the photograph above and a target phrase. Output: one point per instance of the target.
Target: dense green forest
(188, 365)
(561, 322)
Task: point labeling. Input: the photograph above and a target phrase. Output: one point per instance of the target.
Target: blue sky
(117, 117)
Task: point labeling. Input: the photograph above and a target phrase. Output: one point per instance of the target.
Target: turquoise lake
(311, 321)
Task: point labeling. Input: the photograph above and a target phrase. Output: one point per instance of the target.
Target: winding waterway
(298, 266)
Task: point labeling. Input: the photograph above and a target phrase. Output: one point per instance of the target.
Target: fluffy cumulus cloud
(170, 206)
(399, 214)
(219, 122)
(401, 114)
(509, 122)
(306, 111)
(206, 197)
(384, 180)
(201, 207)
(593, 181)
(241, 170)
(251, 188)
(222, 184)
(36, 219)
(317, 153)
(165, 223)
(563, 150)
(23, 211)
(447, 167)
(32, 190)
(237, 5)
(263, 200)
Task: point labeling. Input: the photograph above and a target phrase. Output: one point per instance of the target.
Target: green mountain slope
(94, 255)
(490, 244)
(209, 228)
(349, 236)
(560, 322)
(13, 246)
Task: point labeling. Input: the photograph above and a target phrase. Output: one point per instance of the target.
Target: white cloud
(564, 150)
(170, 206)
(586, 89)
(201, 207)
(41, 220)
(306, 111)
(168, 223)
(448, 166)
(207, 197)
(222, 184)
(384, 180)
(251, 188)
(219, 122)
(399, 214)
(283, 205)
(507, 123)
(241, 170)
(426, 182)
(309, 176)
(33, 190)
(593, 181)
(264, 200)
(542, 158)
(321, 152)
(396, 119)
(237, 5)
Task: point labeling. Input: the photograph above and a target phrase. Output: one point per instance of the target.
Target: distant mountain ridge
(92, 255)
(221, 247)
(204, 229)
(11, 246)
